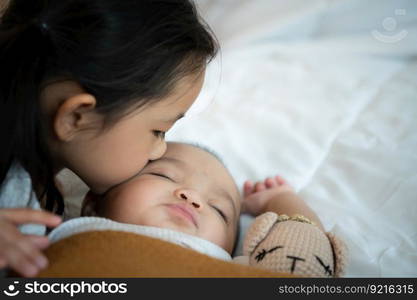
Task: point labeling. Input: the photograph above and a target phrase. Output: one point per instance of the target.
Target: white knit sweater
(16, 191)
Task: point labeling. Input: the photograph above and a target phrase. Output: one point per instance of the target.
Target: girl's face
(104, 158)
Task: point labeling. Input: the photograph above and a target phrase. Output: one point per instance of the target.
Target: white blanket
(324, 93)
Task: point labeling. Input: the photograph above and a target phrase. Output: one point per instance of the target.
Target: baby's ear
(258, 230)
(340, 254)
(89, 206)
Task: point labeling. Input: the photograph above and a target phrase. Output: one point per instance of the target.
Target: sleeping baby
(186, 197)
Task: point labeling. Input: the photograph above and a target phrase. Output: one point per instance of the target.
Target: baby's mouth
(184, 211)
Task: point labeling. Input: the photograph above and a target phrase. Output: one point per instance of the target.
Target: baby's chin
(179, 225)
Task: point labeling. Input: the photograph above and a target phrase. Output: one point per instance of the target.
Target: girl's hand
(256, 196)
(22, 252)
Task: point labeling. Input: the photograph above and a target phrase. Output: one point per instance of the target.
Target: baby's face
(187, 190)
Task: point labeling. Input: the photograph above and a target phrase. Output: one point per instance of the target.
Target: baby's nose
(191, 196)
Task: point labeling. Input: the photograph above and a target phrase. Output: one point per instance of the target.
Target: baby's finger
(270, 183)
(259, 187)
(247, 188)
(25, 215)
(243, 208)
(280, 180)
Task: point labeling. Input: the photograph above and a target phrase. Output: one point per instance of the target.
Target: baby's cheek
(222, 236)
(116, 211)
(120, 205)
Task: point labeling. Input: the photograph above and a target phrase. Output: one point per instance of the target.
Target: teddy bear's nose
(295, 259)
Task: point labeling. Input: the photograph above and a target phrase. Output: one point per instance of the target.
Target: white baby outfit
(84, 224)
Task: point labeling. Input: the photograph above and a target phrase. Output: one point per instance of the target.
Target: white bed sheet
(308, 90)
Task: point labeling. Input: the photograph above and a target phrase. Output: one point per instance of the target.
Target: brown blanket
(122, 254)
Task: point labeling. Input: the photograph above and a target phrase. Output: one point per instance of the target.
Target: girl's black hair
(127, 53)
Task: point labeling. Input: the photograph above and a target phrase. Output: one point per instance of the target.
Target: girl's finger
(3, 262)
(19, 262)
(41, 242)
(32, 254)
(25, 215)
(21, 252)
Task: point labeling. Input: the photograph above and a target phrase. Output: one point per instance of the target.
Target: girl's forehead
(184, 89)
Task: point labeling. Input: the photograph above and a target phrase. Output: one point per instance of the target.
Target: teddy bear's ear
(258, 231)
(340, 254)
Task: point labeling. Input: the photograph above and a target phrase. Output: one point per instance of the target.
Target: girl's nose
(158, 150)
(191, 196)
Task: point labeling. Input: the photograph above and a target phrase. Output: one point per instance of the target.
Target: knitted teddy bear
(294, 244)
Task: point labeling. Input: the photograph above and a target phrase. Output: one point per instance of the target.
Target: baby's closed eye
(221, 213)
(164, 173)
(159, 174)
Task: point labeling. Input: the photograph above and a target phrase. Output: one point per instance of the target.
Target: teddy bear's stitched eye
(261, 254)
(327, 269)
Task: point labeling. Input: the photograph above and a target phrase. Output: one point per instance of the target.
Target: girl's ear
(73, 115)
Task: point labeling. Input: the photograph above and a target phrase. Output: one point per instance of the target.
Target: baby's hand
(22, 252)
(256, 196)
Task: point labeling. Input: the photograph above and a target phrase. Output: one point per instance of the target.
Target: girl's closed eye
(159, 134)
